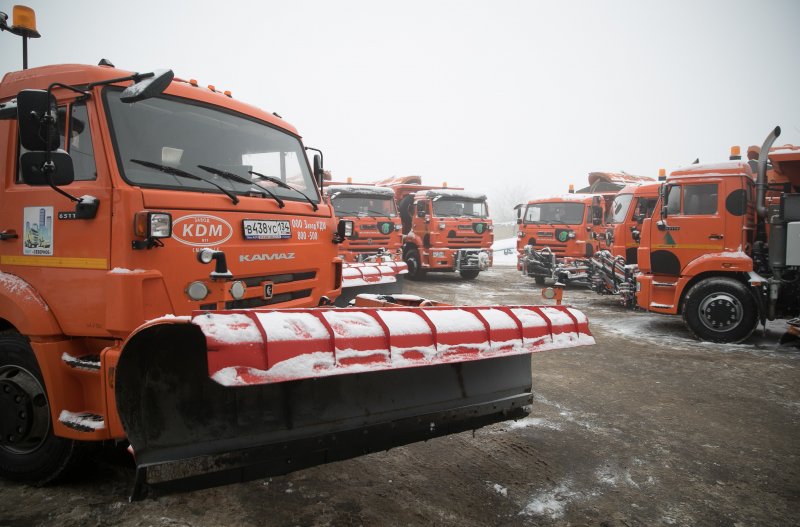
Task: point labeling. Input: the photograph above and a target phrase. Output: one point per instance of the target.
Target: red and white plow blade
(371, 273)
(269, 346)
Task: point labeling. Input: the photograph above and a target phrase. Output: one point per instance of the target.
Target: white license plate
(266, 229)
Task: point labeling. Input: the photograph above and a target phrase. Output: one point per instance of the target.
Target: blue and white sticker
(38, 231)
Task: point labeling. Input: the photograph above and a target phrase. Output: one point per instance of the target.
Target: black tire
(539, 280)
(469, 274)
(720, 309)
(35, 456)
(415, 270)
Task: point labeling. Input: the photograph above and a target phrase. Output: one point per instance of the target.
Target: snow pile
(228, 329)
(549, 503)
(504, 253)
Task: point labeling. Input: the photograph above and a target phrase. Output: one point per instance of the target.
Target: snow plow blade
(231, 396)
(380, 278)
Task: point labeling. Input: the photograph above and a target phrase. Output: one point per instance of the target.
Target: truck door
(692, 225)
(54, 252)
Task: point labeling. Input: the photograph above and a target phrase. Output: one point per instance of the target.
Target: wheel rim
(720, 312)
(24, 411)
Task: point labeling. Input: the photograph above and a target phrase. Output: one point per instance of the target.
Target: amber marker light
(24, 22)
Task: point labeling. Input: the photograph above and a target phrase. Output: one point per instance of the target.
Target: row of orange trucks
(718, 244)
(167, 267)
(401, 226)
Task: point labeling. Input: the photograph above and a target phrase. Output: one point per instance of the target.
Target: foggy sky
(515, 99)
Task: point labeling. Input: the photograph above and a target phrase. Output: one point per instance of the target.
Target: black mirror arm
(47, 170)
(136, 77)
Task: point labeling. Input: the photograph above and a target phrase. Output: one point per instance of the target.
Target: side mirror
(427, 218)
(664, 211)
(37, 117)
(596, 221)
(344, 230)
(38, 171)
(318, 172)
(154, 84)
(519, 221)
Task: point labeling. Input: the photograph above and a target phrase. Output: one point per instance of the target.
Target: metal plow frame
(188, 431)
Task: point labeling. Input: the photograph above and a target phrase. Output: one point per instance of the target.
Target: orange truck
(614, 267)
(372, 256)
(558, 235)
(166, 269)
(723, 249)
(444, 229)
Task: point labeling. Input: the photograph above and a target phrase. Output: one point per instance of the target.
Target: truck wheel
(539, 280)
(415, 270)
(29, 451)
(720, 310)
(469, 274)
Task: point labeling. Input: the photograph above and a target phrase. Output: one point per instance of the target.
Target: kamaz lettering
(265, 257)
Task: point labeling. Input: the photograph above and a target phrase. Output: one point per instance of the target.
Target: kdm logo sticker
(201, 230)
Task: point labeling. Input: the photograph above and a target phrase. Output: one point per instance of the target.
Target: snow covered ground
(504, 252)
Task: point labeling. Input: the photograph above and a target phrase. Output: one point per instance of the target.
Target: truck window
(699, 199)
(644, 208)
(619, 208)
(555, 213)
(454, 208)
(674, 200)
(363, 205)
(171, 131)
(80, 143)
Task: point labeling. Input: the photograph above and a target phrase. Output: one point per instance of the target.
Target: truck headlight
(438, 254)
(148, 224)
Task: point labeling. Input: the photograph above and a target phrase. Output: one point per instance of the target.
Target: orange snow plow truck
(558, 235)
(444, 229)
(723, 247)
(372, 255)
(155, 288)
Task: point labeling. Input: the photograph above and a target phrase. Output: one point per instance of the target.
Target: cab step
(84, 362)
(82, 421)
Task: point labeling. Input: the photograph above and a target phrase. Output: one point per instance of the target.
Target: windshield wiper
(182, 173)
(282, 183)
(379, 213)
(240, 179)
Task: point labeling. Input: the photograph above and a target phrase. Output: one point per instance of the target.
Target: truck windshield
(555, 213)
(452, 208)
(183, 134)
(363, 205)
(619, 208)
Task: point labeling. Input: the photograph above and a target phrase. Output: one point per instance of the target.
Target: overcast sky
(496, 96)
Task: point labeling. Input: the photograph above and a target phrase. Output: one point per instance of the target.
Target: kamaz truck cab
(445, 229)
(723, 248)
(557, 230)
(614, 266)
(376, 224)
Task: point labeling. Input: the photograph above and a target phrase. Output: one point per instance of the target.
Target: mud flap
(188, 431)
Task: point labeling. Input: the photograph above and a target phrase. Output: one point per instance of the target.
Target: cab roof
(82, 74)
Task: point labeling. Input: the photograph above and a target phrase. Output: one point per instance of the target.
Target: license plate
(267, 290)
(266, 229)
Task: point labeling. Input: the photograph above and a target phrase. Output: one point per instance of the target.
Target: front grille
(249, 303)
(252, 281)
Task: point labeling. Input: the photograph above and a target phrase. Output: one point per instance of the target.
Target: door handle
(715, 236)
(8, 235)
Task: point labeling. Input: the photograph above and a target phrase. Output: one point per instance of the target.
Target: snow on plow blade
(384, 278)
(237, 395)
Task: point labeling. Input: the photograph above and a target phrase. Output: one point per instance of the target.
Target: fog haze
(515, 99)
